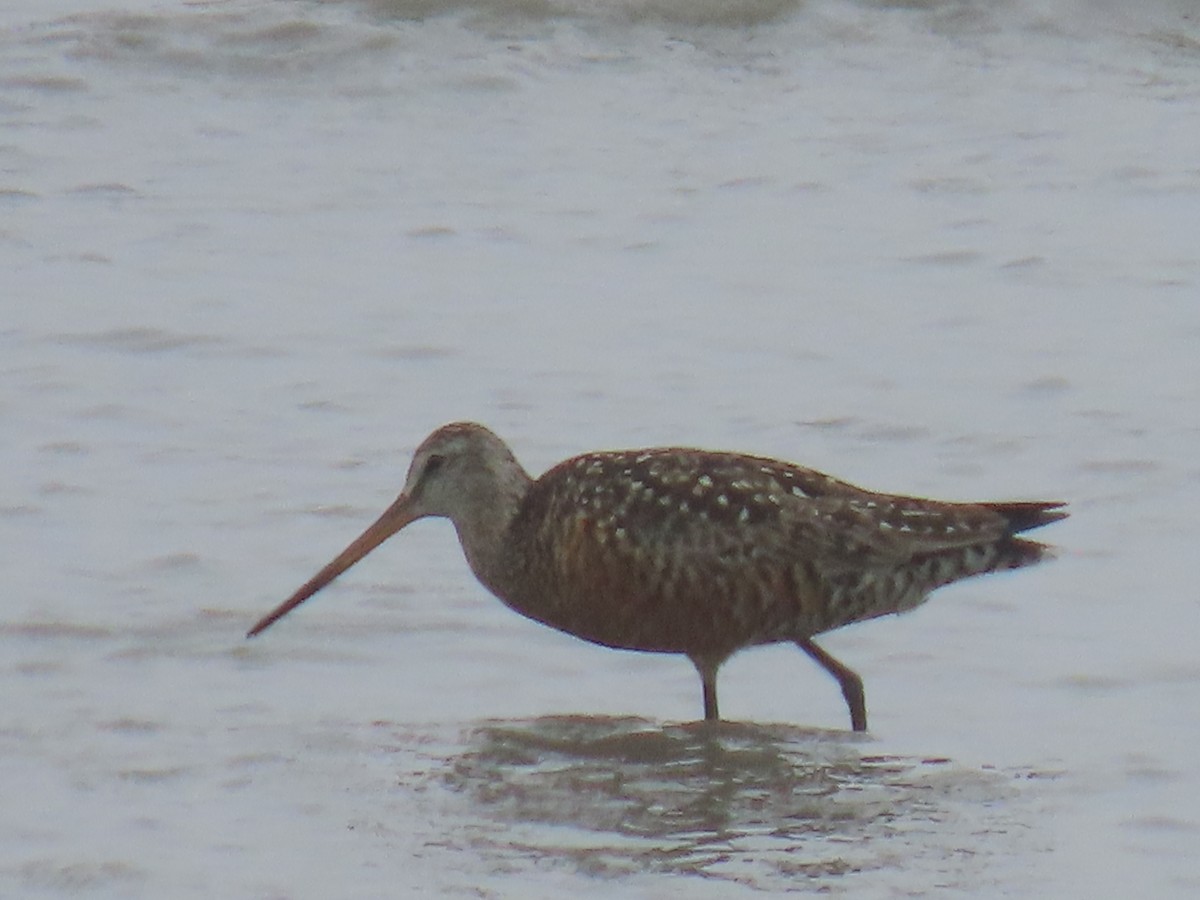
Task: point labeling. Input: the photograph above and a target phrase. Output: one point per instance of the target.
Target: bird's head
(462, 471)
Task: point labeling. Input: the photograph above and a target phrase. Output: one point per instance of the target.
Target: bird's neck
(484, 532)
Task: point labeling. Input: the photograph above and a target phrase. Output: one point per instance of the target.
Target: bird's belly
(685, 593)
(695, 624)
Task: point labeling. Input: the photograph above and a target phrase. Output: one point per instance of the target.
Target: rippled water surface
(252, 252)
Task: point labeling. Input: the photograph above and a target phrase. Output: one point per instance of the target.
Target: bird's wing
(850, 531)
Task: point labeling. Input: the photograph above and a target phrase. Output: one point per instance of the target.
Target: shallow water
(253, 252)
(767, 807)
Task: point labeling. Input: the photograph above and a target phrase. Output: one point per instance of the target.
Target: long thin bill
(394, 518)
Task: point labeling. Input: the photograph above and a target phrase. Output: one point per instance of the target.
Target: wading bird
(703, 553)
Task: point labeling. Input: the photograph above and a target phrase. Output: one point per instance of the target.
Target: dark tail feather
(1022, 516)
(1018, 552)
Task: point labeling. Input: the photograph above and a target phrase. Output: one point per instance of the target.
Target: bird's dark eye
(433, 464)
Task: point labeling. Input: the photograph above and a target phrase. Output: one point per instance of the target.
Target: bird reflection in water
(751, 803)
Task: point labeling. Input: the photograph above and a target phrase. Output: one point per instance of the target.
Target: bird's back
(691, 551)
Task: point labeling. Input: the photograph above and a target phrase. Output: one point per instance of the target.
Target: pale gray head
(462, 472)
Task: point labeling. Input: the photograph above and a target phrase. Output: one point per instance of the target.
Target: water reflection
(746, 802)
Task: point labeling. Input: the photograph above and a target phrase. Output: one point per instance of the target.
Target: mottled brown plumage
(690, 551)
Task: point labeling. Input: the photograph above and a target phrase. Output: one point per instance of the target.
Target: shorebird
(675, 550)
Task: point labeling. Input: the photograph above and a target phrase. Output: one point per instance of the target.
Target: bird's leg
(710, 700)
(708, 678)
(851, 683)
